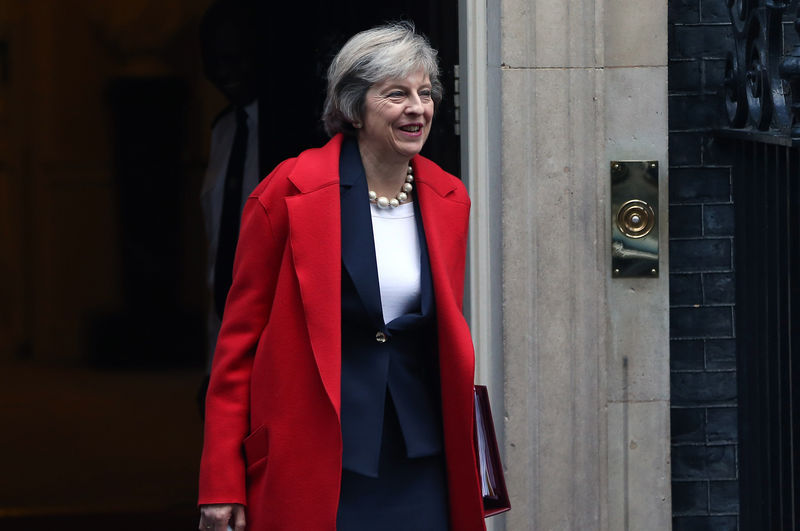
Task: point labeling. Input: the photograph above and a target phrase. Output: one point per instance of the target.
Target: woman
(341, 390)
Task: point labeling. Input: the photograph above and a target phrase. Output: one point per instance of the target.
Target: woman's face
(397, 117)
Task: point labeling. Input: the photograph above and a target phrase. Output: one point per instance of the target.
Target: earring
(357, 125)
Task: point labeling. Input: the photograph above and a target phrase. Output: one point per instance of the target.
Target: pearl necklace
(385, 202)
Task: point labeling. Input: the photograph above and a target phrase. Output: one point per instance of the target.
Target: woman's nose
(414, 105)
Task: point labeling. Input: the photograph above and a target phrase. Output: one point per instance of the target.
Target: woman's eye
(425, 94)
(396, 94)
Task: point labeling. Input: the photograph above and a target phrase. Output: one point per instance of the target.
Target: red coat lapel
(445, 218)
(315, 239)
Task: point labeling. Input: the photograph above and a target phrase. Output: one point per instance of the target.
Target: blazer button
(380, 337)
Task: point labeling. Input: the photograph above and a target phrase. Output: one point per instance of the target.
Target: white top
(212, 195)
(397, 253)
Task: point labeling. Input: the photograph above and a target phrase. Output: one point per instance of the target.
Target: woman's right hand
(218, 516)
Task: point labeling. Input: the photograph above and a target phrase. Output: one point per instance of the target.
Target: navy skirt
(407, 494)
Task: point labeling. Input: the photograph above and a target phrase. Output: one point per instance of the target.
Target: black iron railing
(762, 83)
(762, 96)
(766, 195)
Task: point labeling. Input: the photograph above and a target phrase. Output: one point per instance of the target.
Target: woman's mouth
(411, 128)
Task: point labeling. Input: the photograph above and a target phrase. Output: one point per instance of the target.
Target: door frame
(480, 163)
(479, 39)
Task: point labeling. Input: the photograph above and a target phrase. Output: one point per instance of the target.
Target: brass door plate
(634, 218)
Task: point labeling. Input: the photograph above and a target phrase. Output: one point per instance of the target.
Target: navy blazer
(406, 364)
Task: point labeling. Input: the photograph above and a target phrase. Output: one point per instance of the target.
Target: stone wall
(586, 357)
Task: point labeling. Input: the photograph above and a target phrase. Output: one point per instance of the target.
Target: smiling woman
(397, 121)
(343, 373)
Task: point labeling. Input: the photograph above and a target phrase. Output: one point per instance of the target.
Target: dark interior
(106, 117)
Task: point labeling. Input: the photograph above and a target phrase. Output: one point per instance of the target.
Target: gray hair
(384, 52)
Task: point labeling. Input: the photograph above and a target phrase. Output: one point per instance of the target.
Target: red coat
(272, 433)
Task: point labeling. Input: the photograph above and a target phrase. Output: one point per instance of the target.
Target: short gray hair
(389, 51)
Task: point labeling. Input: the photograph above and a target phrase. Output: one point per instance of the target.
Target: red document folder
(490, 468)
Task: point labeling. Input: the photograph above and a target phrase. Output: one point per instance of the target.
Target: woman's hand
(218, 516)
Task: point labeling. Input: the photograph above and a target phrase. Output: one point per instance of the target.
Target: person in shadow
(229, 52)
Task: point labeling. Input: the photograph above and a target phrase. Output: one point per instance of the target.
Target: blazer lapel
(358, 248)
(315, 239)
(426, 288)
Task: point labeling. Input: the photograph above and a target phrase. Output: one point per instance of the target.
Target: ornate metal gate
(762, 96)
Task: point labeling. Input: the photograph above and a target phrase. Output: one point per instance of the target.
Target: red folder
(490, 468)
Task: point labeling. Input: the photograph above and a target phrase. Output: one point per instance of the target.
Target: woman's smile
(412, 129)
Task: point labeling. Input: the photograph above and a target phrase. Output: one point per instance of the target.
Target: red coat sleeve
(227, 423)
